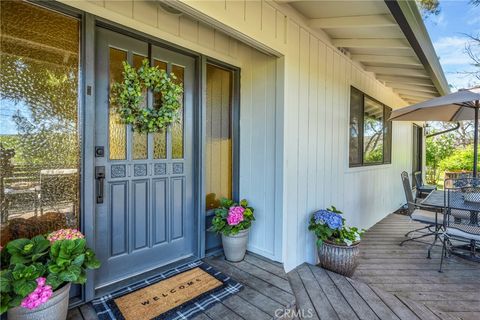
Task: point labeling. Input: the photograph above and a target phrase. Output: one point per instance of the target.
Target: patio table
(437, 199)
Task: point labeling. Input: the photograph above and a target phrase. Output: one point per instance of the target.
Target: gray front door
(146, 217)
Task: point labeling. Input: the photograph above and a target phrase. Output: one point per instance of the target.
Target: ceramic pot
(55, 308)
(235, 246)
(341, 259)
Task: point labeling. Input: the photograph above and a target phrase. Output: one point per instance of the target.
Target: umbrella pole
(475, 141)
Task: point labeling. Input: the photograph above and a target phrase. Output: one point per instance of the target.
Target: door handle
(99, 178)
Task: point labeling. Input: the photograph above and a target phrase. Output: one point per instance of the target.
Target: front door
(145, 217)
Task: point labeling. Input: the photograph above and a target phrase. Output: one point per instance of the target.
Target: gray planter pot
(234, 247)
(338, 258)
(55, 308)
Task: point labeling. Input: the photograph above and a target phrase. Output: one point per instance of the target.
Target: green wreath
(127, 97)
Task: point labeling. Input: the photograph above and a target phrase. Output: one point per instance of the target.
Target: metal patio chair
(420, 186)
(431, 217)
(462, 195)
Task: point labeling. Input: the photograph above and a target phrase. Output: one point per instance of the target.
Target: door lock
(99, 178)
(99, 151)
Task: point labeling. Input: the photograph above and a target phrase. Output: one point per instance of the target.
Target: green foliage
(438, 148)
(25, 260)
(219, 221)
(27, 251)
(461, 160)
(374, 156)
(17, 282)
(68, 261)
(127, 96)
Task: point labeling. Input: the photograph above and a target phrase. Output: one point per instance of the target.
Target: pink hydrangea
(39, 296)
(235, 215)
(65, 234)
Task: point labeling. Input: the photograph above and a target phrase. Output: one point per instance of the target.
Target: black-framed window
(370, 131)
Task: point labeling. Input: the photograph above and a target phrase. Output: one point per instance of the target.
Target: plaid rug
(106, 308)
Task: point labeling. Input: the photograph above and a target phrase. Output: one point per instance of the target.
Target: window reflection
(39, 145)
(373, 132)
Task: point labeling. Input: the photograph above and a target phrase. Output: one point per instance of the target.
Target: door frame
(417, 151)
(89, 25)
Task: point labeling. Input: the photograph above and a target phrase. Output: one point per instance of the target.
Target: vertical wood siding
(315, 113)
(316, 126)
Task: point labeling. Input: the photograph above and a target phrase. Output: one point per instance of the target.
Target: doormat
(180, 293)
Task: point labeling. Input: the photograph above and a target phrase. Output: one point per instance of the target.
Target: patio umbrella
(458, 106)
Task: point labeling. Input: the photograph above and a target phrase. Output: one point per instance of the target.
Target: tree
(461, 160)
(429, 7)
(473, 50)
(437, 149)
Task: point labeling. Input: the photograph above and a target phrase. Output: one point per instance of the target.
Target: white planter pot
(55, 308)
(234, 247)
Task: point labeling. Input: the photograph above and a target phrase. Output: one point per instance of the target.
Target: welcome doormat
(180, 293)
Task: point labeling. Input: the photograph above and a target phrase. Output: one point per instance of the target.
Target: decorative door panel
(146, 218)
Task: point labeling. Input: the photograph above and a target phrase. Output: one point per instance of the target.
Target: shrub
(460, 160)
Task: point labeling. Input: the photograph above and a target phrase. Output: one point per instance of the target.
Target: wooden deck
(406, 273)
(322, 294)
(266, 295)
(391, 282)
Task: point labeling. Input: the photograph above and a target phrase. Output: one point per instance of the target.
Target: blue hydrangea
(332, 219)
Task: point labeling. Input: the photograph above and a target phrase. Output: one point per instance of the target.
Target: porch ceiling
(387, 37)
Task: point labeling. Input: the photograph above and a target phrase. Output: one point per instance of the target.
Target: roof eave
(408, 17)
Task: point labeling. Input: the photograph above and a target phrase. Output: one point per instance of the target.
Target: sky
(448, 32)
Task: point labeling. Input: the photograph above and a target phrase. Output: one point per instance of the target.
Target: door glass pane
(356, 119)
(373, 132)
(219, 160)
(159, 138)
(140, 140)
(177, 127)
(39, 142)
(117, 131)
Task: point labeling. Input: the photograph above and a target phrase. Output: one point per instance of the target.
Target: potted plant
(233, 220)
(337, 243)
(37, 273)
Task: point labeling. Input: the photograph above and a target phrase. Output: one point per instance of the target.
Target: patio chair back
(418, 178)
(462, 195)
(408, 192)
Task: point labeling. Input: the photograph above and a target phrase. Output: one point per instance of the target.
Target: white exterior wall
(294, 149)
